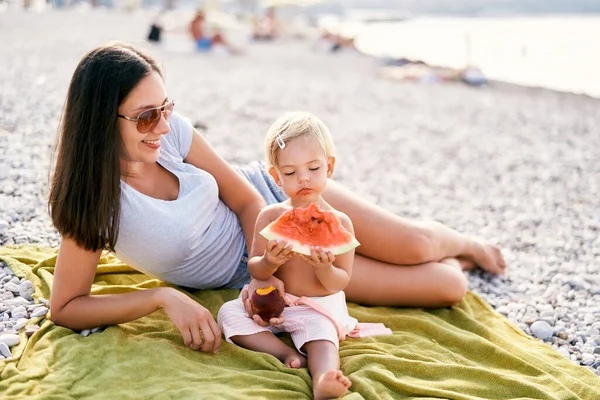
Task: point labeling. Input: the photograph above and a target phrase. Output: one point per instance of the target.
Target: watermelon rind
(298, 247)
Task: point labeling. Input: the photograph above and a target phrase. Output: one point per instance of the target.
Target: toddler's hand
(319, 258)
(247, 293)
(278, 252)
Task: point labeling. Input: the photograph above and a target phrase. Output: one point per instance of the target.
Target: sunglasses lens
(168, 110)
(148, 120)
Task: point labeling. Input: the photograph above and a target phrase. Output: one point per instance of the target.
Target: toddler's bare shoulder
(274, 211)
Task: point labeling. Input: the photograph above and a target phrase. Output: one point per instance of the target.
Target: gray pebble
(7, 295)
(9, 339)
(12, 287)
(31, 329)
(26, 290)
(4, 350)
(564, 352)
(20, 323)
(19, 312)
(503, 310)
(39, 312)
(541, 330)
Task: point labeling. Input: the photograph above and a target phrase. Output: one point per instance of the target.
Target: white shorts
(302, 322)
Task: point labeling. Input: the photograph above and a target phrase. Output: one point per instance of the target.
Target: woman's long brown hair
(85, 190)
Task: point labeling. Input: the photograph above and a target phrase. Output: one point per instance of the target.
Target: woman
(135, 178)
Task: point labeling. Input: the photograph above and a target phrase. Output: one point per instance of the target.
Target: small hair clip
(280, 141)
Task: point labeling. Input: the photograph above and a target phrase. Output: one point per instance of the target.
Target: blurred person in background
(267, 27)
(204, 40)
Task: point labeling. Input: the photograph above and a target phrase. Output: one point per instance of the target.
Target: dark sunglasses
(148, 119)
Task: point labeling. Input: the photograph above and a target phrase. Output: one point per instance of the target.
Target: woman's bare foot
(294, 360)
(331, 385)
(486, 256)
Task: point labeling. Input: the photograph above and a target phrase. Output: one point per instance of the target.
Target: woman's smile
(154, 144)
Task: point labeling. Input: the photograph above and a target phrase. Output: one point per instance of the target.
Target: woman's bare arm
(73, 307)
(234, 189)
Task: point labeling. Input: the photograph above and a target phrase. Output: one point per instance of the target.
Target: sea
(559, 52)
(556, 52)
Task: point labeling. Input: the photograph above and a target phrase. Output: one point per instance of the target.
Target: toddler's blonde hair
(292, 125)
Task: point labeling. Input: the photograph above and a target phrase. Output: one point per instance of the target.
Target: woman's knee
(454, 287)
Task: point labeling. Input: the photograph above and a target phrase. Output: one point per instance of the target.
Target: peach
(267, 303)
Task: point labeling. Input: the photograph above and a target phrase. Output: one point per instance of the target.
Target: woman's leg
(433, 284)
(392, 239)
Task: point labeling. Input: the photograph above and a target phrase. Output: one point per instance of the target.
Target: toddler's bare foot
(331, 385)
(488, 257)
(294, 360)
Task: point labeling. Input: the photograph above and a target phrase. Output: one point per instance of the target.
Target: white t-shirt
(194, 241)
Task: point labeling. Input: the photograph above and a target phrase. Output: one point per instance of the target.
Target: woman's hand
(196, 324)
(257, 284)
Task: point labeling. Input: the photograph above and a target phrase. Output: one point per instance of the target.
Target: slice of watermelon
(311, 226)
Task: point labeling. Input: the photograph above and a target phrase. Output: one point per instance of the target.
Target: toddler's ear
(330, 165)
(275, 176)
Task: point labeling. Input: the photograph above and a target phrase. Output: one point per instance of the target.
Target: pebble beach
(516, 166)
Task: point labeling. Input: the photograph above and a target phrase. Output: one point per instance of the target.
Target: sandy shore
(516, 166)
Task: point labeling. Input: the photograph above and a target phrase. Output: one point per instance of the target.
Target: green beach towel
(463, 352)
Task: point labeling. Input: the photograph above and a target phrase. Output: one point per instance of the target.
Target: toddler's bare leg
(324, 366)
(266, 342)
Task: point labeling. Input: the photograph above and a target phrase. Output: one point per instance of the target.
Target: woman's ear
(330, 165)
(275, 176)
